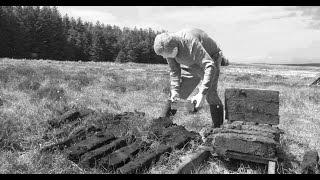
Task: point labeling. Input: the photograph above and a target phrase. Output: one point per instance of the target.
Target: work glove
(199, 99)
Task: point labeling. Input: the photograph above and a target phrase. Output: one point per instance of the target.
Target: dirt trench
(126, 153)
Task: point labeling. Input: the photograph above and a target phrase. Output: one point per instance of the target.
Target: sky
(246, 34)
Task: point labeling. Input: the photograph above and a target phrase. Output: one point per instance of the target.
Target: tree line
(35, 32)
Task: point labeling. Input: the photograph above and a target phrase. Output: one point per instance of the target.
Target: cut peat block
(252, 105)
(75, 138)
(144, 160)
(258, 140)
(259, 129)
(176, 137)
(68, 117)
(262, 146)
(183, 105)
(191, 162)
(122, 155)
(91, 143)
(252, 158)
(90, 159)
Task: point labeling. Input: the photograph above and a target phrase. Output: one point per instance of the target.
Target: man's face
(172, 54)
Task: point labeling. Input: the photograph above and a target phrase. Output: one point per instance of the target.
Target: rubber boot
(167, 111)
(216, 112)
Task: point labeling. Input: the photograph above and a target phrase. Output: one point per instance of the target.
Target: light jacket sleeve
(175, 75)
(204, 60)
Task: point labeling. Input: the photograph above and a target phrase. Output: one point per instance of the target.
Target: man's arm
(207, 63)
(175, 75)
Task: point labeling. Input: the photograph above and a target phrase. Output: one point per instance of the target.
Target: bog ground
(35, 91)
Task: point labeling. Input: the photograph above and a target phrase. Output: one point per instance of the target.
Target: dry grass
(33, 91)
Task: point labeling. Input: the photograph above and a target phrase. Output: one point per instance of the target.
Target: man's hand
(174, 96)
(199, 98)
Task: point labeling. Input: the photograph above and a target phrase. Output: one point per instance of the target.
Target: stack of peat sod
(251, 132)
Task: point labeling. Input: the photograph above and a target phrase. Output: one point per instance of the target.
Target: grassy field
(34, 91)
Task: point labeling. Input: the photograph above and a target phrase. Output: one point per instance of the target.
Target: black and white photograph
(160, 89)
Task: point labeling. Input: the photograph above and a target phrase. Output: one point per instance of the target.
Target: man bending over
(193, 57)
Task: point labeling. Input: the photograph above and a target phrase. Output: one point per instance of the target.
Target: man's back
(191, 34)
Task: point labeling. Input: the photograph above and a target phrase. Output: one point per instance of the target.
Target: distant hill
(307, 64)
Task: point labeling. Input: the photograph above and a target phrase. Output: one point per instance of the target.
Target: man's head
(165, 45)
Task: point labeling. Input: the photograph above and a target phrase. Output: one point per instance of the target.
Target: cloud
(214, 18)
(309, 11)
(311, 14)
(245, 33)
(292, 14)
